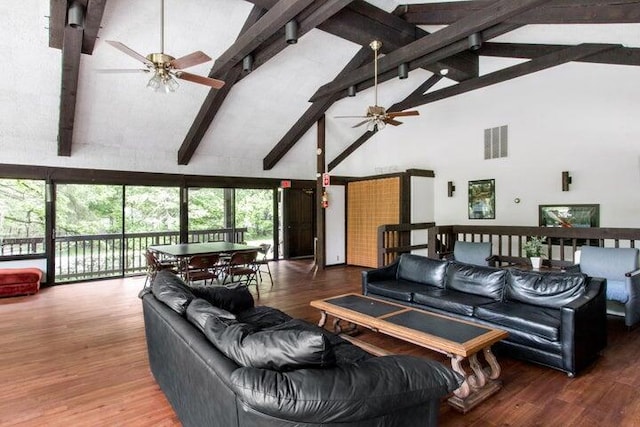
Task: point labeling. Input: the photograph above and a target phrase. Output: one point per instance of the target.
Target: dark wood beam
(492, 15)
(556, 12)
(320, 258)
(281, 13)
(94, 10)
(618, 56)
(553, 59)
(311, 116)
(71, 53)
(419, 91)
(213, 101)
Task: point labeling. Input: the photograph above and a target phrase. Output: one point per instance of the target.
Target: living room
(578, 117)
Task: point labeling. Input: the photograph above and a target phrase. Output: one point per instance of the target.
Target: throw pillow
(280, 350)
(199, 311)
(171, 290)
(233, 300)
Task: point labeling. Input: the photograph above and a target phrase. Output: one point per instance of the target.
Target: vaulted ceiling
(427, 36)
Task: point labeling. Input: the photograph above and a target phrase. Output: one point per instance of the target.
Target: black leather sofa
(556, 319)
(223, 362)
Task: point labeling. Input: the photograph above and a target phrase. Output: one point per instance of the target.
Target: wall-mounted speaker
(450, 188)
(566, 180)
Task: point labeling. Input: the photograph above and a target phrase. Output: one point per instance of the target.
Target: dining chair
(203, 268)
(154, 264)
(264, 262)
(242, 265)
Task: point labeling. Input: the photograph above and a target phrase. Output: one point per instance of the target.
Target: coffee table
(458, 339)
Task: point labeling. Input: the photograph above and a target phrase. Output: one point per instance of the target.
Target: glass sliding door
(88, 232)
(151, 217)
(22, 217)
(254, 212)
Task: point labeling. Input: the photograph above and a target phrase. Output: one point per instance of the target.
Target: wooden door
(299, 222)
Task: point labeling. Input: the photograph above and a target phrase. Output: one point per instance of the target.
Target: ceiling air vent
(496, 142)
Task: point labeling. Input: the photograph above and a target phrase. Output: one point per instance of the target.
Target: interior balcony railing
(108, 255)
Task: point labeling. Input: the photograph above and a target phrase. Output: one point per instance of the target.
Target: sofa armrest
(358, 392)
(633, 273)
(388, 272)
(584, 326)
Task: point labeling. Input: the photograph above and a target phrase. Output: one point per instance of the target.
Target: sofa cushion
(171, 290)
(450, 300)
(233, 300)
(262, 316)
(420, 269)
(541, 321)
(199, 311)
(617, 291)
(548, 289)
(472, 279)
(397, 289)
(281, 350)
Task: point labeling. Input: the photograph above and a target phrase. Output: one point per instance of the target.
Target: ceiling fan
(165, 67)
(377, 117)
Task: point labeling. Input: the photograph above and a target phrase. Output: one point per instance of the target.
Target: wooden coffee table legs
(351, 329)
(479, 385)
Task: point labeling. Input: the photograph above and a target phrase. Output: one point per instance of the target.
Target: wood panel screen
(370, 204)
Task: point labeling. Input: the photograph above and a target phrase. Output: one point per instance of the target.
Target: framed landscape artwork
(482, 199)
(568, 216)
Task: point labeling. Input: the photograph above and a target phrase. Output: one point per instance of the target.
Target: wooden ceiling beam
(71, 53)
(272, 21)
(556, 12)
(214, 100)
(310, 117)
(475, 22)
(418, 92)
(93, 12)
(92, 21)
(618, 56)
(573, 53)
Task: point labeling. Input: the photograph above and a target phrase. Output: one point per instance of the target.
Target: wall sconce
(75, 15)
(475, 41)
(403, 71)
(450, 189)
(291, 32)
(351, 91)
(566, 180)
(247, 63)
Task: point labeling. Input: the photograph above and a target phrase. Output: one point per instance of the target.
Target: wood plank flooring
(75, 355)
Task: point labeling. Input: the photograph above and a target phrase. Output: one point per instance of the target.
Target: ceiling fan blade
(361, 123)
(404, 113)
(122, 71)
(132, 53)
(392, 122)
(214, 83)
(195, 58)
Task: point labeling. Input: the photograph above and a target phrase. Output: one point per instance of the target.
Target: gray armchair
(477, 253)
(620, 267)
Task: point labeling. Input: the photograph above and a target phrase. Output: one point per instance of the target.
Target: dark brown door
(299, 222)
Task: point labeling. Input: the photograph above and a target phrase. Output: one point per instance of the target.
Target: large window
(254, 211)
(22, 217)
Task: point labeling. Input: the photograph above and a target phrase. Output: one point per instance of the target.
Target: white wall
(422, 209)
(581, 118)
(335, 220)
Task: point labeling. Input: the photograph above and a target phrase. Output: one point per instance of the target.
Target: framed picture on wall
(482, 199)
(568, 216)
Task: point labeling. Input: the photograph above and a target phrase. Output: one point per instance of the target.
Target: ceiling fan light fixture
(291, 32)
(163, 82)
(403, 71)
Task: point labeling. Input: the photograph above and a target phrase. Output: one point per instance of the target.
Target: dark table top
(190, 249)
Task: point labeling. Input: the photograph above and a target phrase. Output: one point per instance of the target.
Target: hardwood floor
(76, 355)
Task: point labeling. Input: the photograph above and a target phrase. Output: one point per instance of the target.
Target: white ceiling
(122, 125)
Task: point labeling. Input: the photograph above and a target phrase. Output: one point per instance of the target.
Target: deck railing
(108, 255)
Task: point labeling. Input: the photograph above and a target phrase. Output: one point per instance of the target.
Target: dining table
(185, 250)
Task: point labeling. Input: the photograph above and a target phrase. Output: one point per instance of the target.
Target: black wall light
(450, 188)
(291, 32)
(566, 180)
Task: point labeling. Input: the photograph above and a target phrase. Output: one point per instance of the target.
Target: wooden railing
(507, 241)
(395, 239)
(108, 255)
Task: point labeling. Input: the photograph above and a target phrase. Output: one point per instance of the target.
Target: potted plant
(533, 249)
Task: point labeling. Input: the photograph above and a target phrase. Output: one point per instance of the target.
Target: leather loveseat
(223, 362)
(556, 319)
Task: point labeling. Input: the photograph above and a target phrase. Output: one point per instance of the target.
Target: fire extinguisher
(325, 200)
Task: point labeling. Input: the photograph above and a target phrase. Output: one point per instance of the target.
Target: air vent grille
(496, 142)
